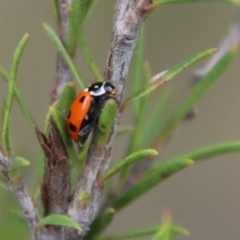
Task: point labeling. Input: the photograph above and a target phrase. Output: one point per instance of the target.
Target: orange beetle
(86, 109)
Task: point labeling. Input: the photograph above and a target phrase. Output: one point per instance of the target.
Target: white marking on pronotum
(86, 117)
(98, 92)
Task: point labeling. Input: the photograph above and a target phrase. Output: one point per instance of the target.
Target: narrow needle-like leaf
(164, 231)
(155, 120)
(197, 92)
(3, 74)
(138, 63)
(161, 171)
(59, 111)
(12, 78)
(133, 158)
(141, 76)
(204, 153)
(59, 220)
(132, 234)
(164, 171)
(18, 163)
(87, 55)
(179, 230)
(55, 39)
(124, 129)
(26, 112)
(56, 11)
(143, 232)
(157, 82)
(89, 6)
(76, 14)
(105, 122)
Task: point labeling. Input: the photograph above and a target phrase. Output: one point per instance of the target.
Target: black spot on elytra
(72, 127)
(69, 114)
(82, 99)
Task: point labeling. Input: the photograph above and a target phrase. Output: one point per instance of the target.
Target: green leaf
(157, 82)
(138, 63)
(125, 129)
(60, 111)
(197, 92)
(56, 11)
(105, 122)
(133, 158)
(140, 118)
(140, 78)
(164, 232)
(26, 112)
(155, 120)
(132, 234)
(182, 1)
(62, 126)
(77, 13)
(3, 74)
(57, 42)
(18, 163)
(203, 153)
(89, 6)
(87, 55)
(179, 230)
(99, 225)
(67, 98)
(163, 170)
(136, 138)
(59, 220)
(167, 228)
(160, 174)
(12, 78)
(144, 232)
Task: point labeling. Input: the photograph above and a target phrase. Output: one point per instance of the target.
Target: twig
(56, 184)
(63, 73)
(19, 191)
(128, 20)
(231, 40)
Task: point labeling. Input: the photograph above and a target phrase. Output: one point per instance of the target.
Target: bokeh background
(204, 198)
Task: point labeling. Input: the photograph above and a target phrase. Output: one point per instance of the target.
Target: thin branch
(129, 17)
(19, 191)
(63, 73)
(56, 184)
(232, 39)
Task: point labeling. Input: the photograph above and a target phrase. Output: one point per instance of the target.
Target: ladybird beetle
(86, 109)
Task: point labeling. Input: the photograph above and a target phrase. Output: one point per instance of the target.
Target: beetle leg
(83, 134)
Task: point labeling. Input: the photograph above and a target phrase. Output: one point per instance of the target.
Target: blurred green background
(204, 198)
